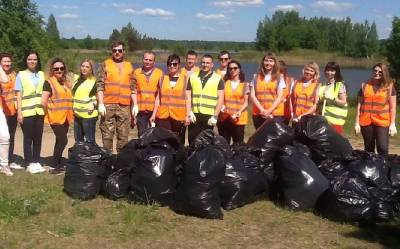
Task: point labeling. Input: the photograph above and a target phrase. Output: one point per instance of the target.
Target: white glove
(192, 117)
(135, 110)
(102, 110)
(357, 128)
(392, 130)
(223, 108)
(329, 95)
(212, 121)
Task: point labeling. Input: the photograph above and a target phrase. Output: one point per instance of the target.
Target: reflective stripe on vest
(335, 114)
(59, 107)
(233, 101)
(147, 88)
(304, 97)
(375, 107)
(8, 98)
(266, 93)
(31, 96)
(83, 105)
(204, 100)
(117, 84)
(172, 99)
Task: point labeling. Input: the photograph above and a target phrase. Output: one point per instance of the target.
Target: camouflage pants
(117, 118)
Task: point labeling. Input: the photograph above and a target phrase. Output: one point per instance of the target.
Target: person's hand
(236, 115)
(102, 110)
(192, 117)
(329, 96)
(152, 119)
(392, 130)
(357, 129)
(265, 113)
(212, 121)
(90, 107)
(223, 108)
(135, 110)
(20, 118)
(187, 120)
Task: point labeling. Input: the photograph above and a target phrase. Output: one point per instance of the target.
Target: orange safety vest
(303, 97)
(375, 107)
(286, 97)
(59, 107)
(147, 87)
(172, 99)
(117, 84)
(233, 101)
(8, 98)
(266, 93)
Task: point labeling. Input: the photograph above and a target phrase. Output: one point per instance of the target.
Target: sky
(212, 20)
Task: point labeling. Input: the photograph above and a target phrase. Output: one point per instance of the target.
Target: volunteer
(304, 96)
(224, 58)
(289, 81)
(148, 78)
(333, 97)
(8, 102)
(115, 94)
(85, 103)
(29, 86)
(190, 65)
(267, 91)
(376, 110)
(4, 134)
(205, 97)
(57, 104)
(233, 117)
(170, 105)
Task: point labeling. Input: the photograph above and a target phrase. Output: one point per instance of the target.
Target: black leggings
(229, 131)
(178, 127)
(60, 131)
(200, 125)
(12, 127)
(32, 128)
(376, 135)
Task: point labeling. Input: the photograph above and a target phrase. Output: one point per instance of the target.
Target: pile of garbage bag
(306, 168)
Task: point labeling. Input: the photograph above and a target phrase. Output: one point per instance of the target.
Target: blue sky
(214, 20)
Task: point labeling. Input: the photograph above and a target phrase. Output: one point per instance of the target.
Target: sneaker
(35, 168)
(39, 168)
(58, 171)
(16, 166)
(6, 170)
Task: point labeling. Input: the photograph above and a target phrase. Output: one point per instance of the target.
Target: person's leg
(107, 127)
(224, 129)
(60, 131)
(89, 129)
(238, 134)
(142, 121)
(179, 128)
(369, 140)
(79, 129)
(37, 137)
(164, 123)
(12, 127)
(28, 131)
(258, 120)
(123, 123)
(382, 139)
(4, 145)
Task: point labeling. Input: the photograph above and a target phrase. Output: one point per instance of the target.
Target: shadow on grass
(387, 235)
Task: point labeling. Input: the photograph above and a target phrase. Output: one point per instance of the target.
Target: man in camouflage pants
(116, 93)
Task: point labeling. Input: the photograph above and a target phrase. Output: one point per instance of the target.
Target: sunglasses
(233, 68)
(377, 71)
(61, 69)
(223, 59)
(174, 64)
(117, 50)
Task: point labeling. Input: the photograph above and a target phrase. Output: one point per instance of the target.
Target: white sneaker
(6, 170)
(16, 166)
(39, 168)
(35, 168)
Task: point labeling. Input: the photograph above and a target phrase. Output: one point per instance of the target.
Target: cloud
(211, 16)
(287, 7)
(65, 7)
(149, 12)
(68, 16)
(115, 5)
(207, 28)
(238, 3)
(333, 6)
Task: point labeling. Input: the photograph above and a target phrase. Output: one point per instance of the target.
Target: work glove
(212, 121)
(192, 117)
(329, 96)
(102, 110)
(223, 108)
(135, 110)
(357, 128)
(392, 130)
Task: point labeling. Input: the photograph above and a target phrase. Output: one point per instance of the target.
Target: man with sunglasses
(224, 59)
(115, 94)
(205, 97)
(148, 78)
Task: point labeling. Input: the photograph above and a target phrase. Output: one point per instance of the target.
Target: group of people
(188, 97)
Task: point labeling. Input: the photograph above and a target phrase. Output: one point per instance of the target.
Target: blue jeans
(85, 128)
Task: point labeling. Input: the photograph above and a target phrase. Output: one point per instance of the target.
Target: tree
(115, 36)
(52, 30)
(393, 51)
(131, 37)
(88, 42)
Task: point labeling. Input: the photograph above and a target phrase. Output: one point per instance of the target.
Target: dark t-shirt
(360, 93)
(204, 78)
(47, 87)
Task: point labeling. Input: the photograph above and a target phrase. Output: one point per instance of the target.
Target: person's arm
(392, 108)
(19, 109)
(253, 97)
(45, 100)
(341, 99)
(100, 84)
(156, 105)
(220, 103)
(188, 94)
(3, 76)
(276, 102)
(313, 108)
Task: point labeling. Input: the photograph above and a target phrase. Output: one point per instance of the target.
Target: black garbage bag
(126, 157)
(302, 148)
(158, 135)
(331, 169)
(88, 166)
(198, 194)
(299, 181)
(154, 178)
(118, 183)
(271, 137)
(348, 200)
(322, 139)
(394, 162)
(209, 138)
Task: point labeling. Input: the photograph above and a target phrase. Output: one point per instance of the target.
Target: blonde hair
(386, 80)
(275, 70)
(91, 63)
(314, 67)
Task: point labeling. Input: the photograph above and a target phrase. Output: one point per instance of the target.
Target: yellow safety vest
(81, 99)
(334, 113)
(204, 99)
(31, 97)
